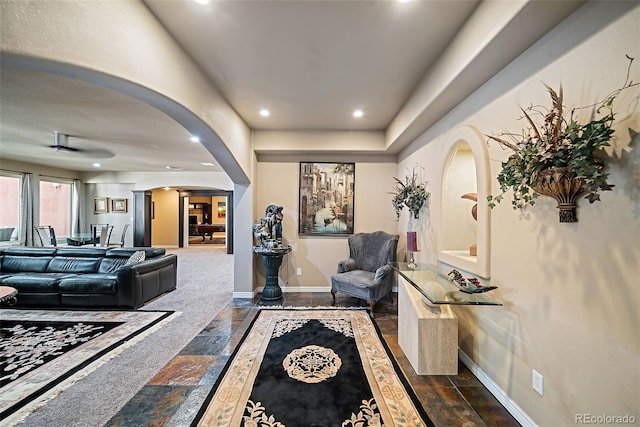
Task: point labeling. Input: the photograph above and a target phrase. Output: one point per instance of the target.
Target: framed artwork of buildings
(326, 196)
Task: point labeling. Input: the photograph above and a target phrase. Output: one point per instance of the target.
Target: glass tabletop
(435, 287)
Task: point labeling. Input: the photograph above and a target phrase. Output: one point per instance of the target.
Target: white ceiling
(310, 62)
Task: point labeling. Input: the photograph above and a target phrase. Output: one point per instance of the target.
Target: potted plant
(559, 157)
(410, 193)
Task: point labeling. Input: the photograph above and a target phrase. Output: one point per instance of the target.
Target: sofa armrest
(141, 282)
(346, 265)
(381, 274)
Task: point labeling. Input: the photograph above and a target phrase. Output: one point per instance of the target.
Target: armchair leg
(391, 296)
(333, 294)
(371, 304)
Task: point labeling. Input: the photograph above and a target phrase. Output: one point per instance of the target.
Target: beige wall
(570, 291)
(277, 183)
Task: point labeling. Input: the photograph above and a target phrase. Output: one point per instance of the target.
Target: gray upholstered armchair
(366, 274)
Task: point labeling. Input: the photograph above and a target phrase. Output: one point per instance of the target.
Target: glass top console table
(435, 288)
(427, 325)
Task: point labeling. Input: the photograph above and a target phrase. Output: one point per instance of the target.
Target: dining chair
(105, 235)
(124, 234)
(47, 235)
(95, 229)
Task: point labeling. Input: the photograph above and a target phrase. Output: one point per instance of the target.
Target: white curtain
(27, 210)
(77, 211)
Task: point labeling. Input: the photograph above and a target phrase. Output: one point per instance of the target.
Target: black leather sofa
(86, 277)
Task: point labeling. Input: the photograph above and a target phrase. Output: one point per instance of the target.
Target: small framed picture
(100, 205)
(119, 205)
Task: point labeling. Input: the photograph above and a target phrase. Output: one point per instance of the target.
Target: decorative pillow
(136, 257)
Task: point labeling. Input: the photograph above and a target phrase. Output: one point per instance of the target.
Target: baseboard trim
(285, 289)
(244, 295)
(292, 289)
(497, 392)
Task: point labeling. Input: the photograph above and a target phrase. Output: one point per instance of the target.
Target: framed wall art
(100, 205)
(326, 198)
(119, 205)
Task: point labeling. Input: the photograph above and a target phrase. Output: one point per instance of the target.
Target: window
(55, 206)
(10, 212)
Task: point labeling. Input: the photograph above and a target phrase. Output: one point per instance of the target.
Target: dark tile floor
(174, 395)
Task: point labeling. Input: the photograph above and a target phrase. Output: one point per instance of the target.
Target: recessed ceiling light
(174, 168)
(96, 165)
(194, 139)
(358, 113)
(207, 164)
(264, 113)
(202, 1)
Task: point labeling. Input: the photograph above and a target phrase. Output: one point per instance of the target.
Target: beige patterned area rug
(42, 352)
(326, 367)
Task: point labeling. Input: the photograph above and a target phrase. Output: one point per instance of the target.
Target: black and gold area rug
(312, 368)
(42, 352)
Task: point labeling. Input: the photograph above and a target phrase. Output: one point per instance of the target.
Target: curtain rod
(58, 177)
(12, 171)
(45, 176)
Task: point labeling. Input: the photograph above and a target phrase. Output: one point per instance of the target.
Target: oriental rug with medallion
(42, 352)
(312, 368)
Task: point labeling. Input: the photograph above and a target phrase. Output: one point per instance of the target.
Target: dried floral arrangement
(560, 151)
(410, 193)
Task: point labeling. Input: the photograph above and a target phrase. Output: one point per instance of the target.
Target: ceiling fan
(61, 144)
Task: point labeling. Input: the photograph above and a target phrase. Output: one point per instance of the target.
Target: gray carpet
(205, 286)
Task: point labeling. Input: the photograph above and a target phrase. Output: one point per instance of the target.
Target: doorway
(206, 218)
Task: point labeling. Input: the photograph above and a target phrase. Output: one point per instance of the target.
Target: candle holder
(412, 263)
(412, 247)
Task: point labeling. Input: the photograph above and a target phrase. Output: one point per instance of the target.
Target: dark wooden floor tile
(488, 407)
(465, 377)
(446, 407)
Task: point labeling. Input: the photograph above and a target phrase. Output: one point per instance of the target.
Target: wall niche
(464, 240)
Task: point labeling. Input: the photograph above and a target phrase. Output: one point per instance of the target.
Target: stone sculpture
(268, 235)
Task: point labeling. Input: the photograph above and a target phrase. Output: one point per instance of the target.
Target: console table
(427, 327)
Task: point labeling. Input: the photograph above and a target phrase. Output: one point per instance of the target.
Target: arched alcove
(465, 176)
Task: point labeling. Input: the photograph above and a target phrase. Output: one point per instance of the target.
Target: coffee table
(8, 294)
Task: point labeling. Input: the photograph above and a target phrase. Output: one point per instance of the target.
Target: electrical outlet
(537, 381)
(299, 271)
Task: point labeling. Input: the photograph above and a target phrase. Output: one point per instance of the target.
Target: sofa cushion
(74, 264)
(41, 282)
(127, 252)
(89, 283)
(18, 263)
(30, 251)
(111, 264)
(88, 252)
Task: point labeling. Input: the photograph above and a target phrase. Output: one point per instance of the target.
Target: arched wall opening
(465, 240)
